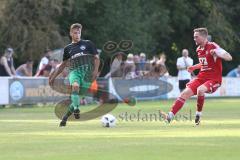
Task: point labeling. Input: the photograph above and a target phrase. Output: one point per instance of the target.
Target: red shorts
(212, 85)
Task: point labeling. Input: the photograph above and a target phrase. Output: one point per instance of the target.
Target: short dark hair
(202, 31)
(76, 26)
(29, 60)
(9, 50)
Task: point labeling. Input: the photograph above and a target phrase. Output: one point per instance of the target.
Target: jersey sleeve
(66, 54)
(92, 48)
(44, 61)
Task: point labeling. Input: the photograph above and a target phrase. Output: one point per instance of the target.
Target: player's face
(75, 34)
(198, 38)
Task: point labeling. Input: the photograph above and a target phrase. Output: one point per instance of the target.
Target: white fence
(37, 90)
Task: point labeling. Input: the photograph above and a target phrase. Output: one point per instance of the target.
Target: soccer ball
(108, 120)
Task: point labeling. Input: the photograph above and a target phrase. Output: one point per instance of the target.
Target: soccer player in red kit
(210, 57)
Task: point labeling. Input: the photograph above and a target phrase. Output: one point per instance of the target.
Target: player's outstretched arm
(57, 72)
(221, 53)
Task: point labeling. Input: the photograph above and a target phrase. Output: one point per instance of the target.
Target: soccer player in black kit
(78, 72)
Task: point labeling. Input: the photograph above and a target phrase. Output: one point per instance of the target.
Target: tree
(29, 27)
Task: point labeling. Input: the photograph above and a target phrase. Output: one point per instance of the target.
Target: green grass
(33, 134)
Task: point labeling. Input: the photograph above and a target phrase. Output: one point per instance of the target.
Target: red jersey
(211, 67)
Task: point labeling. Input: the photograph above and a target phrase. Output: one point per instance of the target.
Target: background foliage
(155, 26)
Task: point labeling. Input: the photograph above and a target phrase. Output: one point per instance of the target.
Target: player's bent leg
(201, 90)
(65, 118)
(63, 123)
(186, 93)
(70, 110)
(73, 79)
(75, 100)
(178, 104)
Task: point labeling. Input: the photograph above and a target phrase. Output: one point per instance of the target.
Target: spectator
(116, 65)
(142, 61)
(142, 64)
(154, 59)
(25, 69)
(119, 72)
(129, 67)
(156, 71)
(162, 59)
(162, 65)
(136, 60)
(54, 63)
(129, 59)
(7, 64)
(45, 72)
(44, 61)
(83, 101)
(129, 72)
(182, 64)
(235, 72)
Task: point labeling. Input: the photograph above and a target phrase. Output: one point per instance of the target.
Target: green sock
(75, 100)
(70, 108)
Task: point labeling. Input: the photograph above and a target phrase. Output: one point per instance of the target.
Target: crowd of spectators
(126, 66)
(234, 72)
(132, 66)
(45, 67)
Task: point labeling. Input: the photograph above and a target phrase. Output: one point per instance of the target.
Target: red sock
(178, 104)
(200, 102)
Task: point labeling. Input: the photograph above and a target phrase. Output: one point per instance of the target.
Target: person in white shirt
(130, 67)
(116, 65)
(44, 61)
(182, 64)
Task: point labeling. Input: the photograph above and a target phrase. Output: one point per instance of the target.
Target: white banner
(4, 90)
(230, 88)
(37, 90)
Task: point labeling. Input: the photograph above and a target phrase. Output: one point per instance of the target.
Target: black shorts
(182, 84)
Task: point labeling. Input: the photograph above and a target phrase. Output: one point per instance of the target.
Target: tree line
(154, 26)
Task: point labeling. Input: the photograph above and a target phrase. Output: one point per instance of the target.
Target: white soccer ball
(108, 120)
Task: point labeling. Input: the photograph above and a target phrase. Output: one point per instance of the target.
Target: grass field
(33, 134)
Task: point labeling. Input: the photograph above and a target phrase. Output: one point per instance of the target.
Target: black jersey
(3, 71)
(80, 48)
